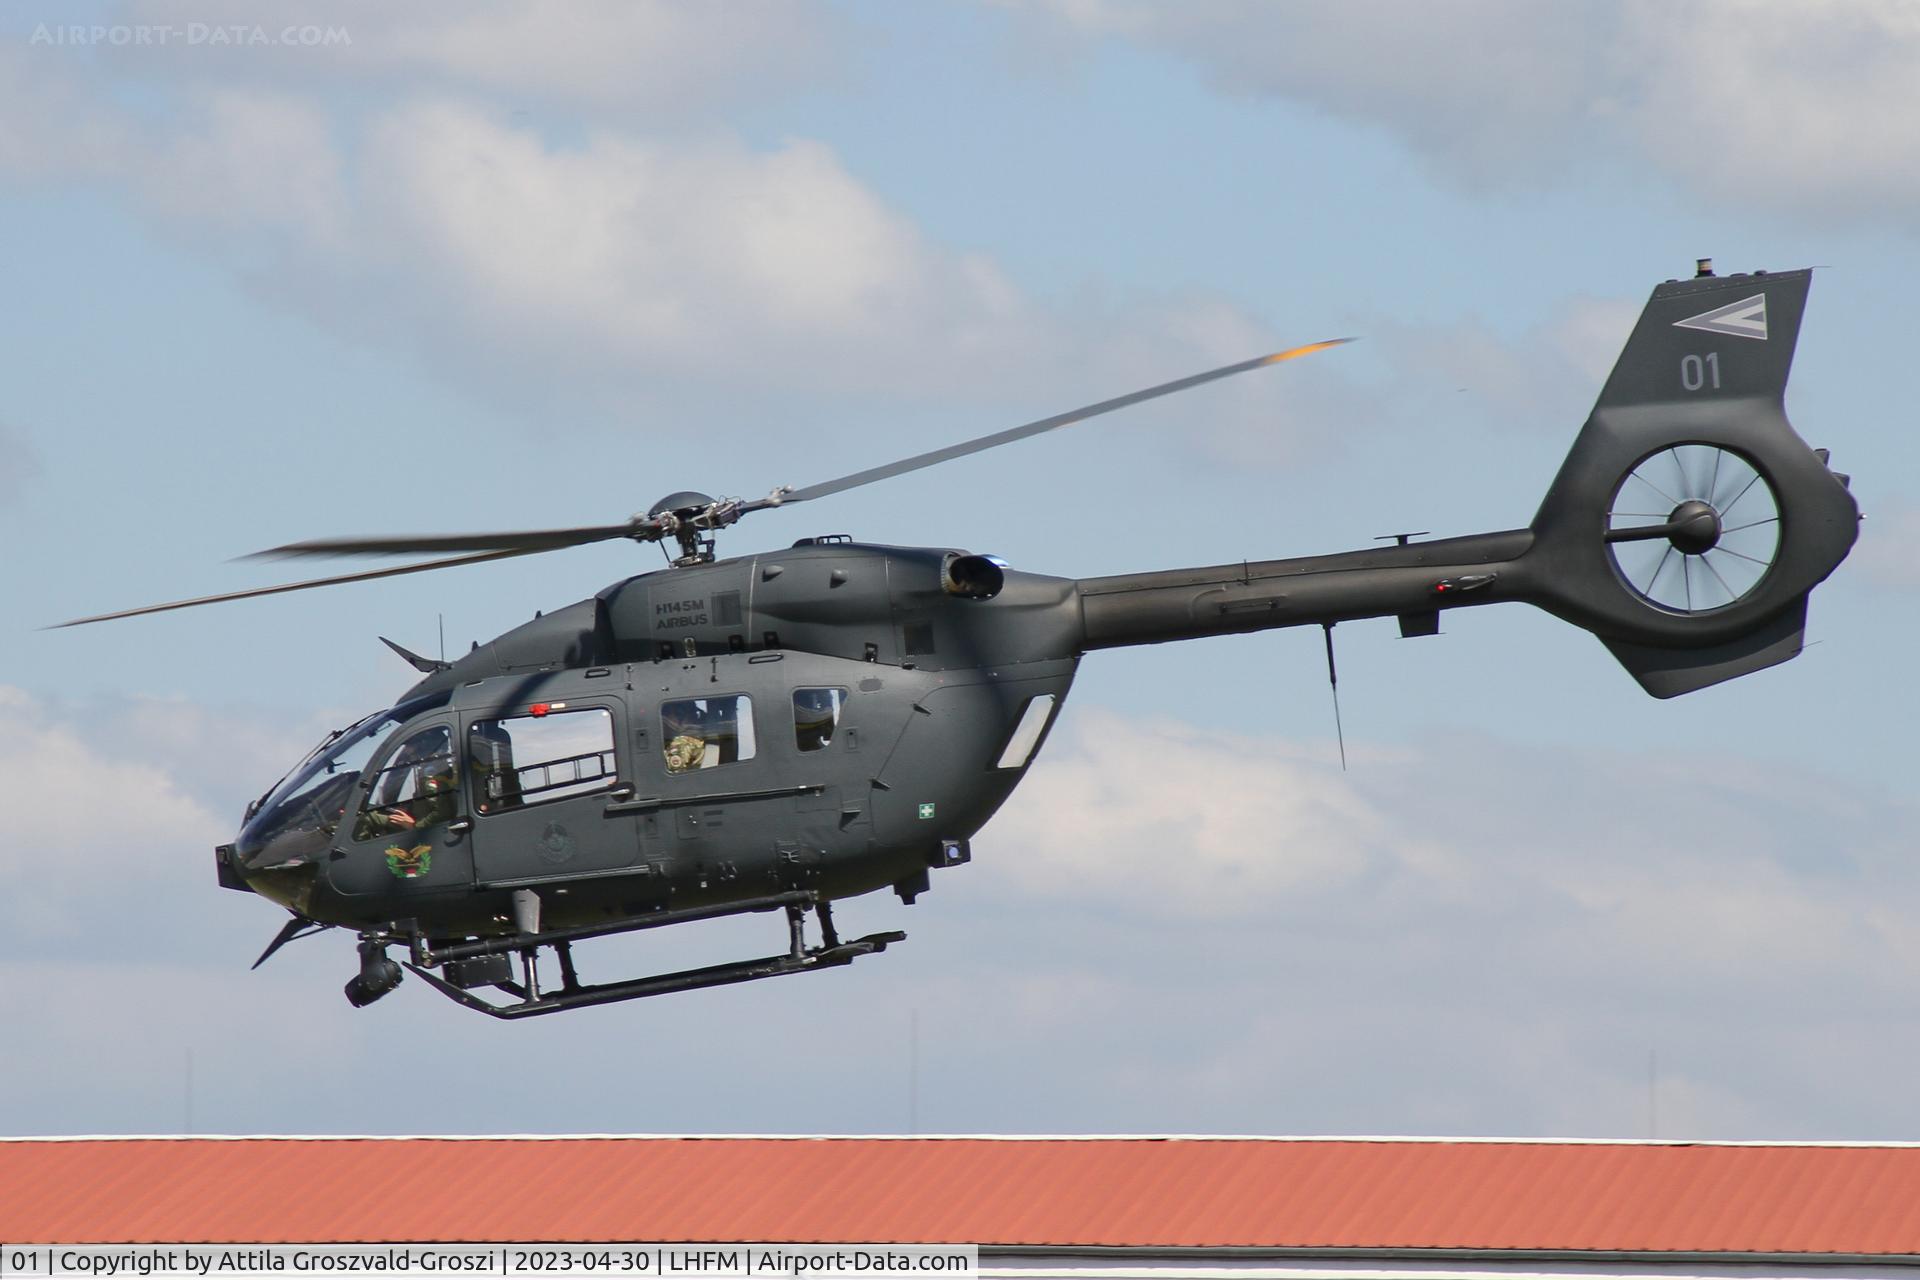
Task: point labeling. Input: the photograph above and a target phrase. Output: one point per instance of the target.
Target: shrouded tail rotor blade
(366, 576)
(1008, 436)
(519, 543)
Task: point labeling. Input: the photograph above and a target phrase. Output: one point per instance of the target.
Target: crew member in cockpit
(427, 763)
(686, 748)
(433, 806)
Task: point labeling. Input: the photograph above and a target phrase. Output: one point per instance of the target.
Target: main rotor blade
(953, 451)
(301, 586)
(526, 541)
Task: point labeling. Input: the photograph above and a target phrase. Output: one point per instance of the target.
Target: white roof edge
(1425, 1140)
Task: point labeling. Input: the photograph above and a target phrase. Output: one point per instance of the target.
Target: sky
(282, 271)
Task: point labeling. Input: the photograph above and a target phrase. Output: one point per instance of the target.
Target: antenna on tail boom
(1333, 684)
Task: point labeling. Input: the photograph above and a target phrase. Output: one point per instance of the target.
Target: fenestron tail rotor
(1694, 528)
(689, 518)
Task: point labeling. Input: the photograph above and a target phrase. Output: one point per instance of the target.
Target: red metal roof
(1140, 1192)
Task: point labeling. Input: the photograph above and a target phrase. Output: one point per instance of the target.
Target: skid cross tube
(427, 957)
(531, 1002)
(661, 984)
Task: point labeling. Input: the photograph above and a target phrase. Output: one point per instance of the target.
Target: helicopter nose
(226, 866)
(289, 884)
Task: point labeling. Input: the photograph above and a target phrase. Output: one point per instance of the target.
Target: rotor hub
(1696, 527)
(686, 502)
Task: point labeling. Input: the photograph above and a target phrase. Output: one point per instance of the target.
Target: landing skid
(530, 1001)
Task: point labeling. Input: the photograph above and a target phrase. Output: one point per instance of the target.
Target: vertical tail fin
(1689, 522)
(1712, 336)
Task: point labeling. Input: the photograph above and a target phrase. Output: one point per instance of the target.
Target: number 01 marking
(1700, 372)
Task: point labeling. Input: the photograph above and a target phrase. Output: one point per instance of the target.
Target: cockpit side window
(416, 790)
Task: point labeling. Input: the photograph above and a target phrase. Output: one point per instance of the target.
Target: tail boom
(1410, 581)
(1686, 528)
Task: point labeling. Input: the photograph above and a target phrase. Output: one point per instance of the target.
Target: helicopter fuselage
(852, 717)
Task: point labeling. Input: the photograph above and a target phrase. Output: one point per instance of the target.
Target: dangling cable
(1333, 684)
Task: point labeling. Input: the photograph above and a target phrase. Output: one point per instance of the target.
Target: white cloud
(222, 757)
(54, 123)
(1795, 108)
(1254, 822)
(98, 826)
(259, 163)
(615, 265)
(65, 800)
(1711, 866)
(655, 56)
(620, 263)
(703, 254)
(621, 267)
(1450, 78)
(1677, 856)
(1813, 108)
(625, 258)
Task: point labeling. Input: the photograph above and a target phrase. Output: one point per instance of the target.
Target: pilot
(686, 745)
(434, 805)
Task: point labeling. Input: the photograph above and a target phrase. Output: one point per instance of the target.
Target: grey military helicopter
(778, 731)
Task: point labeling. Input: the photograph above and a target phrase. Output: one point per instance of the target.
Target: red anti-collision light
(539, 708)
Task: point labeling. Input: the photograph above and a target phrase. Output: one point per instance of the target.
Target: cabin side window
(526, 760)
(417, 788)
(705, 733)
(816, 714)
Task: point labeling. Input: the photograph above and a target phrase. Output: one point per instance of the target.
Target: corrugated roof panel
(1301, 1193)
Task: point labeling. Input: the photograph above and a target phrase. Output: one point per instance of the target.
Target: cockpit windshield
(299, 815)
